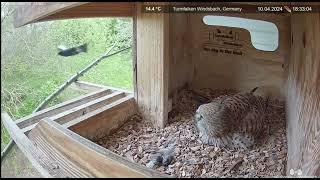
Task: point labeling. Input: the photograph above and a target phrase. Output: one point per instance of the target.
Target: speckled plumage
(232, 121)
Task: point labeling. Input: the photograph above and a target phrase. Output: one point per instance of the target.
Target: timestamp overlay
(231, 8)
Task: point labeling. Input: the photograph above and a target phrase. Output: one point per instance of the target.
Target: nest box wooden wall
(171, 54)
(302, 95)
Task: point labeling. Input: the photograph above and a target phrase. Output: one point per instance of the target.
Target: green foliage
(117, 71)
(99, 34)
(31, 68)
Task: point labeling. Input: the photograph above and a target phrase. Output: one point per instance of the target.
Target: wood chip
(195, 148)
(191, 157)
(233, 165)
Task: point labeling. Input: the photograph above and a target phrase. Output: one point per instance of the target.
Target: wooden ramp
(98, 110)
(57, 142)
(58, 152)
(66, 154)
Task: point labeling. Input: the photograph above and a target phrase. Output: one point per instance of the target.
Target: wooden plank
(24, 144)
(95, 9)
(43, 11)
(83, 84)
(27, 129)
(81, 110)
(30, 12)
(86, 108)
(67, 168)
(84, 88)
(153, 65)
(35, 117)
(79, 157)
(101, 122)
(181, 67)
(242, 72)
(302, 95)
(134, 51)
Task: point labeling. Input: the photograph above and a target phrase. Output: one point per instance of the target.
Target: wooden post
(153, 65)
(303, 98)
(134, 51)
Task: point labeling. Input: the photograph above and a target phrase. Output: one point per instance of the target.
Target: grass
(26, 85)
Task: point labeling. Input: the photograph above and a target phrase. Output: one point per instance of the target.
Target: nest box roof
(31, 12)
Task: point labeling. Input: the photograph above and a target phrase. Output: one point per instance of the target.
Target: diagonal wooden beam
(24, 144)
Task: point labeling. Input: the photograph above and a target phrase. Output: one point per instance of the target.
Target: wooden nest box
(175, 50)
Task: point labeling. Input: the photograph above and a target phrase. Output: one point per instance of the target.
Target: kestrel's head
(212, 118)
(208, 110)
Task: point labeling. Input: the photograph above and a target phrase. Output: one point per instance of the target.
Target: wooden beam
(95, 9)
(101, 122)
(24, 144)
(181, 66)
(84, 88)
(36, 117)
(79, 157)
(32, 12)
(81, 110)
(153, 65)
(302, 95)
(86, 108)
(83, 84)
(134, 52)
